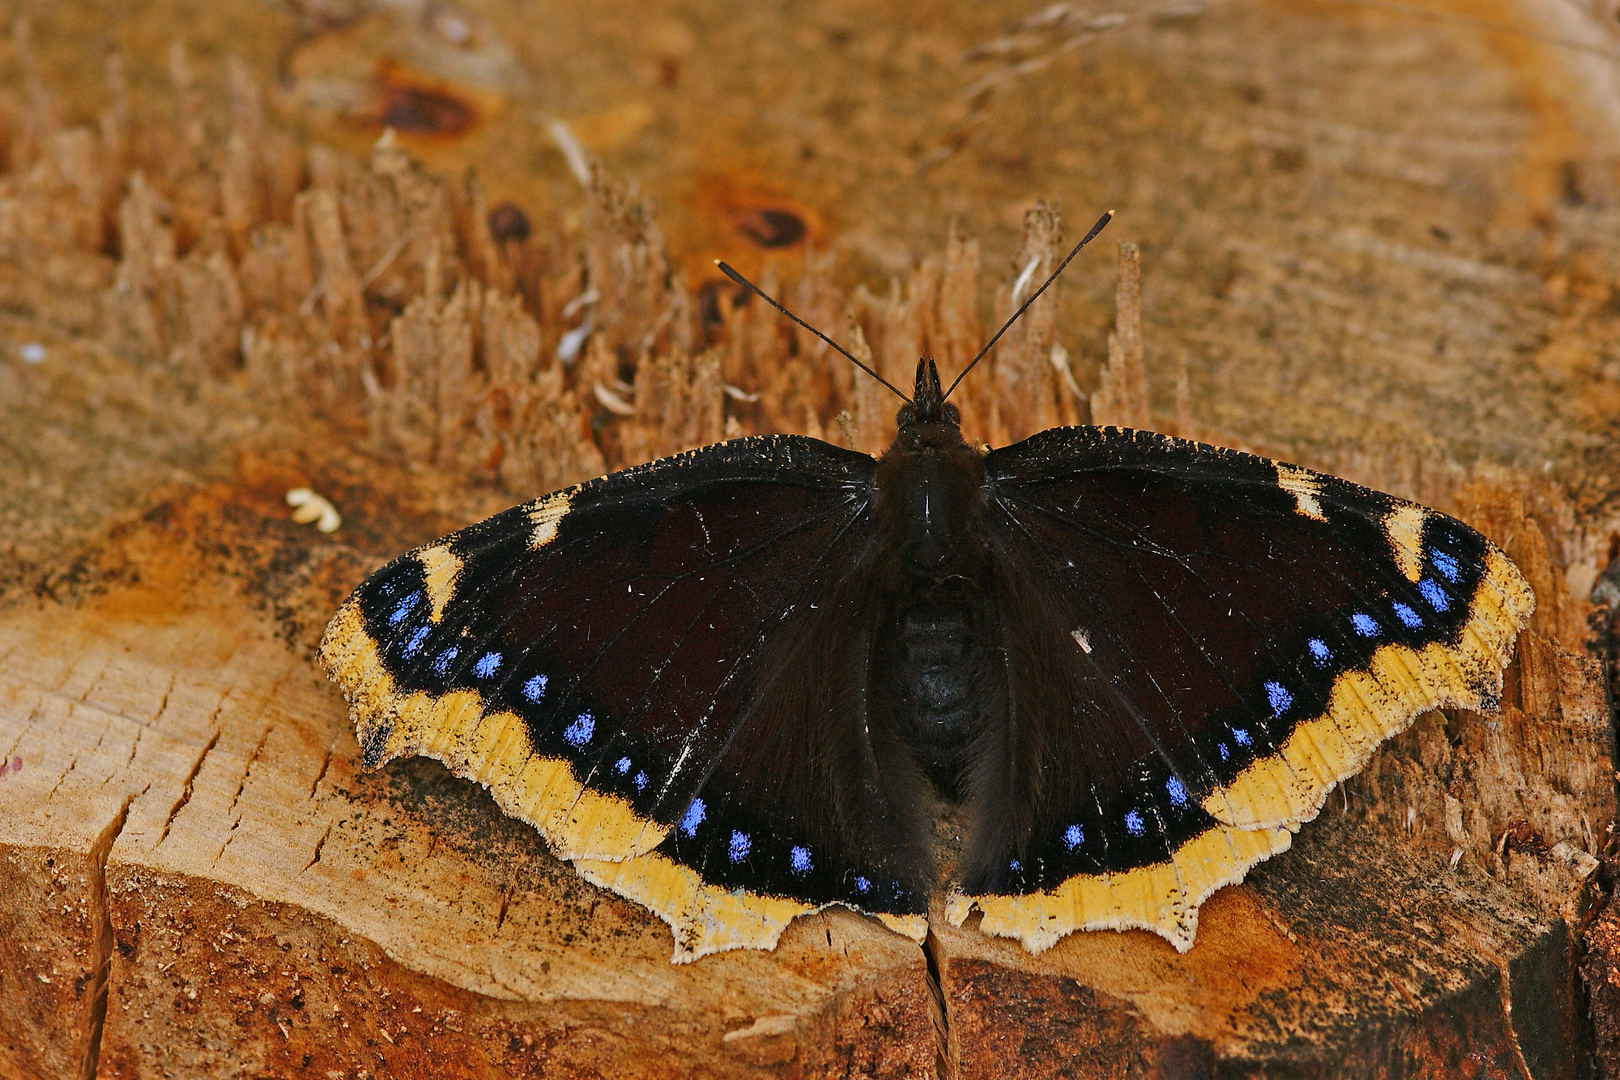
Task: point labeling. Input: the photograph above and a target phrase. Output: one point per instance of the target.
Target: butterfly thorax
(928, 506)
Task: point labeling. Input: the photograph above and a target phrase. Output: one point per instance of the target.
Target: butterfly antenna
(1036, 295)
(739, 279)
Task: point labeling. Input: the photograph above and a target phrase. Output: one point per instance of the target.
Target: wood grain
(187, 820)
(1377, 245)
(233, 873)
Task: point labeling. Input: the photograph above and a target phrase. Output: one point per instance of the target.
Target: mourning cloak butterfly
(736, 685)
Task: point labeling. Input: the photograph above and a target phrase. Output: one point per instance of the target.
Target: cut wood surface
(188, 834)
(1379, 246)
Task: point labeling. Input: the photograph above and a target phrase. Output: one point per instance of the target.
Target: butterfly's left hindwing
(619, 663)
(1200, 644)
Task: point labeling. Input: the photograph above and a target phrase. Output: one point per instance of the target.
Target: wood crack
(506, 903)
(134, 747)
(945, 1060)
(1504, 990)
(230, 811)
(187, 787)
(247, 770)
(27, 726)
(163, 704)
(319, 845)
(102, 944)
(326, 763)
(72, 764)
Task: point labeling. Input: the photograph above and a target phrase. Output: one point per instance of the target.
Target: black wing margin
(621, 664)
(1200, 645)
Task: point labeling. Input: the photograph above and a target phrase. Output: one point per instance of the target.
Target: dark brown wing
(1200, 644)
(663, 671)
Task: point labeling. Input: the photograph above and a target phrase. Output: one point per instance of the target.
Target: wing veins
(676, 579)
(720, 751)
(748, 713)
(1129, 707)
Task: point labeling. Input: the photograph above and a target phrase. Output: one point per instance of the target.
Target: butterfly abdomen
(930, 663)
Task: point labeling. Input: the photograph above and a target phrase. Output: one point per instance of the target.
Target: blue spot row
(741, 844)
(535, 688)
(1074, 837)
(1278, 695)
(487, 665)
(442, 662)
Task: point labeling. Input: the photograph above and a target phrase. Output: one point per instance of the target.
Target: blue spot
(622, 766)
(1073, 837)
(740, 844)
(1319, 651)
(580, 731)
(1279, 697)
(1225, 753)
(693, 818)
(1133, 823)
(1411, 618)
(640, 780)
(535, 688)
(1445, 564)
(862, 885)
(1365, 625)
(799, 860)
(1241, 735)
(1434, 594)
(442, 662)
(1178, 794)
(403, 609)
(413, 644)
(487, 665)
(1015, 866)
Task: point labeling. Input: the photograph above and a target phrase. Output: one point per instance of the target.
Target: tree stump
(199, 881)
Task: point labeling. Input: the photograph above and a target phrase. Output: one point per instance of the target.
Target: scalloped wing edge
(1282, 791)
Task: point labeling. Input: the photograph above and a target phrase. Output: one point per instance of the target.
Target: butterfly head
(927, 404)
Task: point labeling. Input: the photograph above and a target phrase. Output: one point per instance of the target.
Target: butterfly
(740, 684)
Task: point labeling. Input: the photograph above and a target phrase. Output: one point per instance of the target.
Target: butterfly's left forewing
(1200, 644)
(623, 663)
